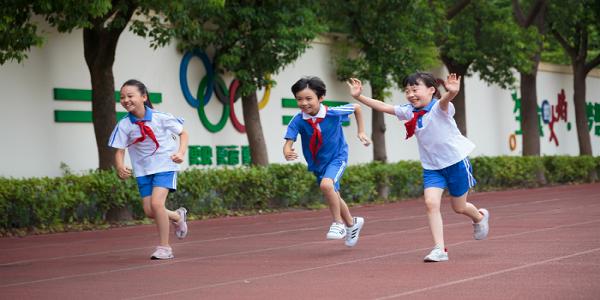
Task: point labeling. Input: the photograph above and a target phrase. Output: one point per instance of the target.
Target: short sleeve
(119, 137)
(172, 123)
(342, 111)
(292, 129)
(449, 114)
(403, 112)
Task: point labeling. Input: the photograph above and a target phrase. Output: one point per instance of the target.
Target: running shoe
(162, 252)
(181, 228)
(353, 231)
(437, 254)
(337, 231)
(481, 229)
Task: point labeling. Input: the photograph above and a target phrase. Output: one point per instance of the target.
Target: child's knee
(156, 205)
(148, 212)
(459, 209)
(326, 185)
(432, 204)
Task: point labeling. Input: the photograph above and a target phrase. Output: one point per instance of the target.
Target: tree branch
(592, 64)
(535, 11)
(563, 42)
(583, 44)
(537, 7)
(458, 7)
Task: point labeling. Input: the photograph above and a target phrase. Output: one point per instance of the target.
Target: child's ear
(321, 99)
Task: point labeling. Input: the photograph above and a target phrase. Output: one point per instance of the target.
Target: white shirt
(440, 142)
(166, 128)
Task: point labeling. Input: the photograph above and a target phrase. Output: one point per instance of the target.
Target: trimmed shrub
(76, 199)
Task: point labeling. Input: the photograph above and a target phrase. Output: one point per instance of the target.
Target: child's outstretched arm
(356, 90)
(364, 139)
(122, 171)
(452, 85)
(288, 150)
(183, 145)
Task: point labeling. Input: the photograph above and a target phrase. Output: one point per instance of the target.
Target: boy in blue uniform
(325, 150)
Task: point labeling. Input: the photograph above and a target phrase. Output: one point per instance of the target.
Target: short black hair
(426, 78)
(312, 82)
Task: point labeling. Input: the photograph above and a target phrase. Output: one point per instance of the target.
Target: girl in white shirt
(443, 150)
(149, 136)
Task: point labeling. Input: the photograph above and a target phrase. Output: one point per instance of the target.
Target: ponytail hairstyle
(312, 82)
(141, 88)
(426, 78)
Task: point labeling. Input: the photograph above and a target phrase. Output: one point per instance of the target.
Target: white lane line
(488, 274)
(274, 275)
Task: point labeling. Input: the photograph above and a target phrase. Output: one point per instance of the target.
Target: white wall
(34, 145)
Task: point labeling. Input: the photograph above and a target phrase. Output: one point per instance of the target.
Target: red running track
(543, 244)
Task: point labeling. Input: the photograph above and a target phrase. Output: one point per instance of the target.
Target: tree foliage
(485, 37)
(252, 39)
(393, 39)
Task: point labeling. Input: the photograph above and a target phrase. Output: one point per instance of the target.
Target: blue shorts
(334, 170)
(163, 179)
(458, 178)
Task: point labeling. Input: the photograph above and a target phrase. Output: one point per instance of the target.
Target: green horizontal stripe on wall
(291, 103)
(86, 95)
(78, 116)
(287, 119)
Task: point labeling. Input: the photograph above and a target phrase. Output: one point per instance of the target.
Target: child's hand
(452, 84)
(355, 87)
(364, 139)
(123, 172)
(290, 154)
(177, 158)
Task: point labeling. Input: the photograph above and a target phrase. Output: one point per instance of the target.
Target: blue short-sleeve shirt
(334, 144)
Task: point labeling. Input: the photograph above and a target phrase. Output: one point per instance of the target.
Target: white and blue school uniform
(331, 158)
(443, 149)
(150, 157)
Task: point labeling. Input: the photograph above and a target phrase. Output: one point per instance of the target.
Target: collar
(147, 116)
(321, 114)
(428, 107)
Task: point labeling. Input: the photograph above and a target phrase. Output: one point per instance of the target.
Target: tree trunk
(378, 137)
(256, 140)
(99, 45)
(378, 128)
(583, 133)
(99, 50)
(529, 114)
(460, 115)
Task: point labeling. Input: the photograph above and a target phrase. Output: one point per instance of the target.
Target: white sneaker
(162, 252)
(436, 255)
(353, 231)
(337, 231)
(481, 229)
(181, 226)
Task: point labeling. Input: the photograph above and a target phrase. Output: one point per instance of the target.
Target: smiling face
(419, 95)
(308, 101)
(133, 100)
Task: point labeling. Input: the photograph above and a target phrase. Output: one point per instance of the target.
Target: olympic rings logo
(213, 83)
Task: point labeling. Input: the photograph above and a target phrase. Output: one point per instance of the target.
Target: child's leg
(461, 206)
(345, 212)
(161, 215)
(173, 216)
(333, 199)
(433, 200)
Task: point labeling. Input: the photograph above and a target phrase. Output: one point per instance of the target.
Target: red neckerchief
(316, 140)
(411, 125)
(145, 130)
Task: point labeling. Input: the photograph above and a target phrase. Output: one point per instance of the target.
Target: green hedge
(79, 199)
